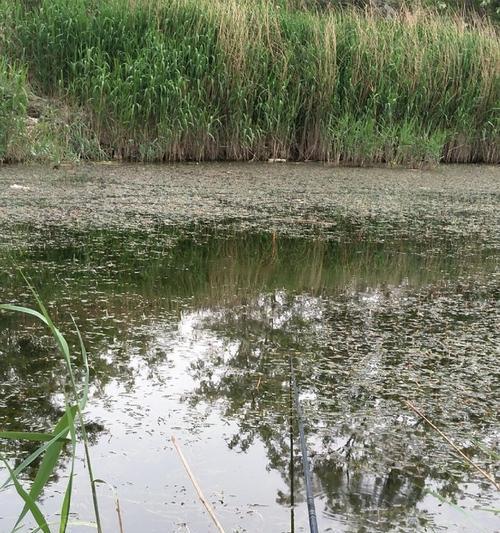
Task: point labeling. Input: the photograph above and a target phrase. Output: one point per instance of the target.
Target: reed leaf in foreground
(30, 503)
(55, 441)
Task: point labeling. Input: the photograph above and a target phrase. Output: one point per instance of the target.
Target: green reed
(54, 441)
(204, 80)
(13, 102)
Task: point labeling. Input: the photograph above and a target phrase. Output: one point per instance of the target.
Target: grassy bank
(203, 80)
(13, 102)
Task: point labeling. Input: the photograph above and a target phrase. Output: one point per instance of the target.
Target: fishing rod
(311, 509)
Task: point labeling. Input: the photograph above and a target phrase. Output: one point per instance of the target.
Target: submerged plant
(63, 433)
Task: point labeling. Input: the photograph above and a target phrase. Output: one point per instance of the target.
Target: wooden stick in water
(202, 498)
(118, 510)
(489, 477)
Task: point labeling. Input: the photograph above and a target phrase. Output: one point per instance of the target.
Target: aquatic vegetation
(382, 285)
(239, 80)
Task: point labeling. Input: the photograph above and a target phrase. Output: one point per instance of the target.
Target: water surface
(381, 288)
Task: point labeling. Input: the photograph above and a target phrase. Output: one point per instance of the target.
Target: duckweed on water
(189, 328)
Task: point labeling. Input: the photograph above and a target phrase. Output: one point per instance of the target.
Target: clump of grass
(53, 442)
(205, 80)
(61, 134)
(13, 102)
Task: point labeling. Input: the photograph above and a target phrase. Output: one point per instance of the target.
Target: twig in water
(119, 513)
(203, 500)
(483, 472)
(117, 502)
(311, 508)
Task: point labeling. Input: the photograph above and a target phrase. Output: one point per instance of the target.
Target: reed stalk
(50, 451)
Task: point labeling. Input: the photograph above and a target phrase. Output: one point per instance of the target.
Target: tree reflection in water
(368, 323)
(359, 354)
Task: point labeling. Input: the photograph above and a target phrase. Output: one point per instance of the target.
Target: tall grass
(13, 102)
(236, 79)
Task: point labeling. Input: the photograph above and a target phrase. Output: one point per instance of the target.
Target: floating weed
(490, 452)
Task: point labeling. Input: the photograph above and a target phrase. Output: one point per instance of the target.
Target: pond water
(193, 290)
